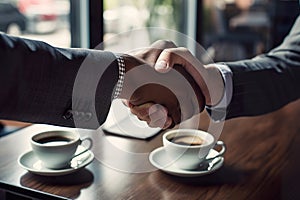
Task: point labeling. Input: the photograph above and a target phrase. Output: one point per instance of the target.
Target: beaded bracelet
(120, 82)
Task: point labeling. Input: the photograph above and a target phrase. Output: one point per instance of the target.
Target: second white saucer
(160, 160)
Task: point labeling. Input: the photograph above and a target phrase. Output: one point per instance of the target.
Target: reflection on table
(262, 162)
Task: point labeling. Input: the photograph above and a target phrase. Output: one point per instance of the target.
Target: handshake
(165, 85)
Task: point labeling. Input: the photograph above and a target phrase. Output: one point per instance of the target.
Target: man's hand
(176, 91)
(154, 114)
(208, 78)
(164, 55)
(150, 54)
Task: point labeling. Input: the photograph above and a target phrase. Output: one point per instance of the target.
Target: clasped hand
(162, 85)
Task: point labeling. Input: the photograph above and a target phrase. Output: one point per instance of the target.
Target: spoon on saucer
(78, 160)
(209, 164)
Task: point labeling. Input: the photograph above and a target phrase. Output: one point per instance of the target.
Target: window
(240, 29)
(129, 24)
(46, 20)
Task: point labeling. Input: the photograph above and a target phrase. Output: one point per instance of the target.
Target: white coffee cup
(57, 148)
(185, 155)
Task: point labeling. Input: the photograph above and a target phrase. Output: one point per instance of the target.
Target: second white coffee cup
(188, 148)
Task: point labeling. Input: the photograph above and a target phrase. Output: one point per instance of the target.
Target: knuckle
(168, 52)
(134, 111)
(183, 50)
(151, 124)
(169, 44)
(166, 43)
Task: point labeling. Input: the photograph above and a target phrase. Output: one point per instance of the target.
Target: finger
(163, 44)
(142, 111)
(159, 118)
(162, 66)
(175, 114)
(168, 123)
(160, 46)
(177, 56)
(157, 123)
(156, 117)
(169, 57)
(154, 114)
(151, 53)
(163, 123)
(172, 57)
(126, 103)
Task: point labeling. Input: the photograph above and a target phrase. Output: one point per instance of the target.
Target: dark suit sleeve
(43, 84)
(267, 82)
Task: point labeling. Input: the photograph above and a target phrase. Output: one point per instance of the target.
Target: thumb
(127, 103)
(169, 57)
(162, 64)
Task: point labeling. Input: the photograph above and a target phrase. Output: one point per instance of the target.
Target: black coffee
(187, 140)
(54, 140)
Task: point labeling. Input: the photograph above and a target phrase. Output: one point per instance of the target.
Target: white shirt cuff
(218, 111)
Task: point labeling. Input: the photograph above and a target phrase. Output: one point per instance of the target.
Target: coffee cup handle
(86, 149)
(221, 152)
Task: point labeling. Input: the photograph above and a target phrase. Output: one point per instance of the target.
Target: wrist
(129, 83)
(130, 62)
(217, 111)
(215, 85)
(121, 74)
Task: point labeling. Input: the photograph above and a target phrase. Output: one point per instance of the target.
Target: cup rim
(77, 137)
(193, 132)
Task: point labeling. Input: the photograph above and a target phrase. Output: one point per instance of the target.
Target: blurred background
(46, 20)
(227, 29)
(243, 28)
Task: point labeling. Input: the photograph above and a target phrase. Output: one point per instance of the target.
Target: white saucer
(160, 160)
(31, 163)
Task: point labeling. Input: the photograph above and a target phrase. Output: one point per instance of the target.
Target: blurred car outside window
(41, 15)
(12, 21)
(45, 20)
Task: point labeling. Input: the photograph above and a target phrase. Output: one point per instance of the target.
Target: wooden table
(262, 162)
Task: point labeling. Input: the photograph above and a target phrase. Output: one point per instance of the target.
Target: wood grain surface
(261, 162)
